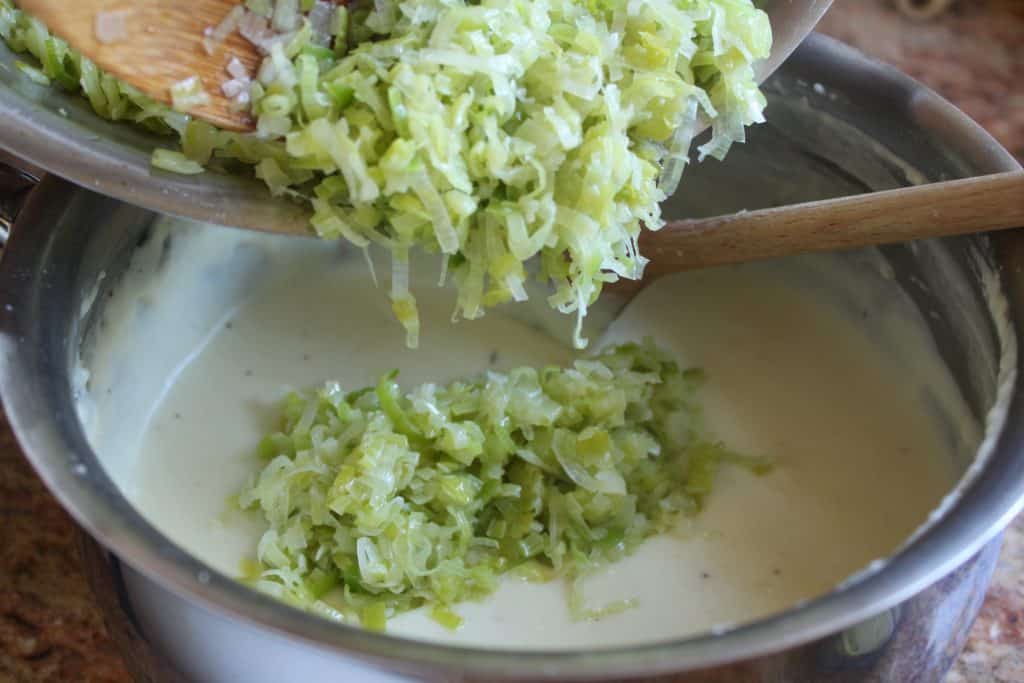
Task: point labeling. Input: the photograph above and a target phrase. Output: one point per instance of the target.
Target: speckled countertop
(51, 629)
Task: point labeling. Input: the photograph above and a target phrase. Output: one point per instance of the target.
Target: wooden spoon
(162, 45)
(955, 207)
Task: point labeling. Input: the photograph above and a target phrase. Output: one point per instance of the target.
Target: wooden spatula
(153, 44)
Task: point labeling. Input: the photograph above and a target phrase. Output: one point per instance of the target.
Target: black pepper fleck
(705, 575)
(248, 373)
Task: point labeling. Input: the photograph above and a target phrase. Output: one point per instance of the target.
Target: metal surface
(898, 644)
(60, 133)
(863, 127)
(16, 180)
(792, 21)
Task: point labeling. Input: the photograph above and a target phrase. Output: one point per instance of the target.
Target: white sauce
(866, 439)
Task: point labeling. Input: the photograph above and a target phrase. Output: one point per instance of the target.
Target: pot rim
(47, 433)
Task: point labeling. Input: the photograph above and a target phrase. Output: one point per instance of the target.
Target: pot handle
(17, 178)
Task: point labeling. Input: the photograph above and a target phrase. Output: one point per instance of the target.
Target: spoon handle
(956, 207)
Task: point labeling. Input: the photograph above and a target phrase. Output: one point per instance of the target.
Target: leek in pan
(488, 132)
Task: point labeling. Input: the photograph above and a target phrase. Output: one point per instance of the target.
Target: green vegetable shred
(380, 501)
(489, 131)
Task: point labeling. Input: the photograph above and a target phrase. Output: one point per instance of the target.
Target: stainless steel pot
(840, 124)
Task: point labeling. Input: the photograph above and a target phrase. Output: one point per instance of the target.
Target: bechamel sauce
(794, 370)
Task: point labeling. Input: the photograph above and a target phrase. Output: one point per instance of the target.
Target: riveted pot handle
(17, 178)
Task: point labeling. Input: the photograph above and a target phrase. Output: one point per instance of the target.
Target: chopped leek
(379, 501)
(491, 132)
(188, 94)
(176, 162)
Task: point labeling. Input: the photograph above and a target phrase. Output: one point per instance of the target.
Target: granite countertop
(51, 629)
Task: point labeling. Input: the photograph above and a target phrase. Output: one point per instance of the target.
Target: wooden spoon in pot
(954, 207)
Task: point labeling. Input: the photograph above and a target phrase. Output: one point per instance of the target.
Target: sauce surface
(862, 453)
